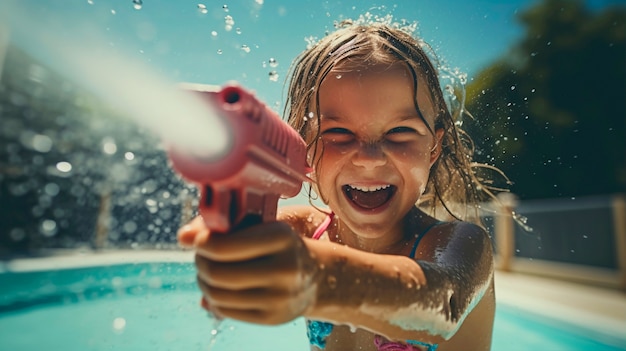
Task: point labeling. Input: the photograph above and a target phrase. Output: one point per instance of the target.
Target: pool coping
(579, 306)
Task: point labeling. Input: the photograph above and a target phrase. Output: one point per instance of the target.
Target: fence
(578, 239)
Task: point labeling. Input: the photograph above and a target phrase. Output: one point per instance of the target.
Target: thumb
(191, 233)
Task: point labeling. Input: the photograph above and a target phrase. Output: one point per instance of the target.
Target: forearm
(391, 295)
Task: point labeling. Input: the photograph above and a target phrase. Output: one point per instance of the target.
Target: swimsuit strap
(322, 228)
(318, 331)
(420, 236)
(383, 344)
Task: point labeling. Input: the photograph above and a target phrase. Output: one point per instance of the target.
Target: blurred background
(544, 82)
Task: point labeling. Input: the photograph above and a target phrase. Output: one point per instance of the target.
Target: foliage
(551, 114)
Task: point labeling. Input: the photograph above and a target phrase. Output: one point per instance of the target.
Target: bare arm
(402, 298)
(269, 274)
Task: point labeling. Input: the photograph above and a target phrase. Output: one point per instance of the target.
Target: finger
(265, 317)
(246, 313)
(250, 299)
(188, 234)
(259, 273)
(246, 244)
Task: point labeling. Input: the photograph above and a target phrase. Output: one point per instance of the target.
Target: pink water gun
(264, 160)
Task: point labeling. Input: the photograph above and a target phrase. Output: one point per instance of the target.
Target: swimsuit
(318, 331)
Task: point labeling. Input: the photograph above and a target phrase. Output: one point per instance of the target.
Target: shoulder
(460, 229)
(455, 238)
(303, 219)
(467, 229)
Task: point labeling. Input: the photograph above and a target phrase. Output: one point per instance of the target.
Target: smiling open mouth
(369, 197)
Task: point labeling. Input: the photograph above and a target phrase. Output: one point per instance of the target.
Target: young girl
(376, 270)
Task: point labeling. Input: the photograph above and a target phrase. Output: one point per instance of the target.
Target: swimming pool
(154, 306)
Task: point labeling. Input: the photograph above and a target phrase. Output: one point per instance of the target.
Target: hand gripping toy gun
(265, 159)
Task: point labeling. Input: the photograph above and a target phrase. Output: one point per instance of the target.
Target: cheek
(420, 176)
(331, 157)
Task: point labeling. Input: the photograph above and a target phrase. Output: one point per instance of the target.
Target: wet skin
(373, 137)
(360, 274)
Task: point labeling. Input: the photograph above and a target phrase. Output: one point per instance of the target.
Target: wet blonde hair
(452, 184)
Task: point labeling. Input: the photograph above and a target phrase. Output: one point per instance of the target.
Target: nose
(369, 155)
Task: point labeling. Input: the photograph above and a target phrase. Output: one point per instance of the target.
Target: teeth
(369, 188)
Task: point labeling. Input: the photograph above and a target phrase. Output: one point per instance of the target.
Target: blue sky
(177, 40)
(184, 44)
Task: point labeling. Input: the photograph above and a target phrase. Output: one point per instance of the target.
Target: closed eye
(398, 130)
(336, 131)
(337, 135)
(402, 134)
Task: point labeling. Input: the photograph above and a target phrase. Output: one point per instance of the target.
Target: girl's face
(377, 151)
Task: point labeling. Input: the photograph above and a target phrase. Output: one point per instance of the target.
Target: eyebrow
(400, 118)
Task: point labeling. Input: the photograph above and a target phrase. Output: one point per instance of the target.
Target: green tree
(552, 114)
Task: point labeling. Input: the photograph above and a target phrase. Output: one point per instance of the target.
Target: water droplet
(129, 227)
(522, 221)
(52, 189)
(64, 167)
(273, 62)
(462, 78)
(245, 48)
(48, 227)
(338, 76)
(137, 4)
(113, 12)
(225, 8)
(229, 22)
(214, 34)
(219, 51)
(585, 237)
(90, 2)
(129, 156)
(512, 87)
(108, 146)
(119, 324)
(202, 8)
(238, 30)
(40, 142)
(274, 76)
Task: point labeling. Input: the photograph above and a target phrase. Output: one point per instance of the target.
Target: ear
(435, 152)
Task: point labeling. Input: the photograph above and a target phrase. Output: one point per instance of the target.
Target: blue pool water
(154, 306)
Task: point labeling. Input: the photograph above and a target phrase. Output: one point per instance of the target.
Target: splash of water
(215, 330)
(126, 83)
